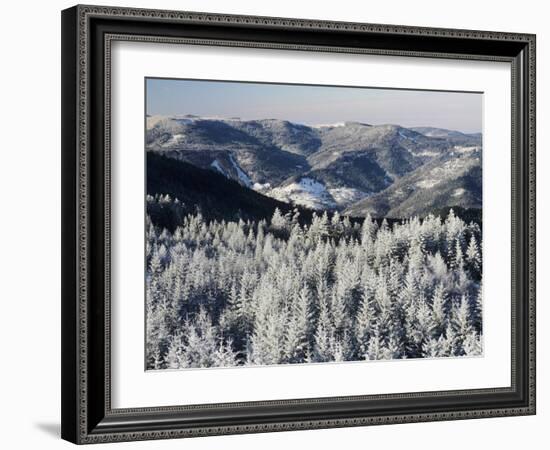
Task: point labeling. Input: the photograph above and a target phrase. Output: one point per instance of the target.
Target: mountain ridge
(353, 167)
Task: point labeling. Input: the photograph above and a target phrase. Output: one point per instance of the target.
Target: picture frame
(88, 33)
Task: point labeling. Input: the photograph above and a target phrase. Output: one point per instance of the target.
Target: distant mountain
(453, 179)
(352, 167)
(201, 141)
(284, 135)
(397, 150)
(451, 135)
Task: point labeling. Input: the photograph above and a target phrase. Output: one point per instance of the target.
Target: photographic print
(299, 224)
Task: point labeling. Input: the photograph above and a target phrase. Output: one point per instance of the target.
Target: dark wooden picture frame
(87, 34)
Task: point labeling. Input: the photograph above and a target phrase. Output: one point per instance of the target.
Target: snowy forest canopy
(229, 293)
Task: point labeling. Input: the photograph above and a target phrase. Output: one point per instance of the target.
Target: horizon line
(310, 125)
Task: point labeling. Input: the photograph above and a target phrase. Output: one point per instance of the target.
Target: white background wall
(30, 223)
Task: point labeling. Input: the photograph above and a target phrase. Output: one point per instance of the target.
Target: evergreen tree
(439, 310)
(462, 323)
(278, 221)
(473, 258)
(298, 330)
(323, 333)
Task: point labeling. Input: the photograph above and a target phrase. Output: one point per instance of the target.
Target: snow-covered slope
(305, 192)
(349, 166)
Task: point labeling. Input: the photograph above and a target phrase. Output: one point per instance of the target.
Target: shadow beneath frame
(52, 429)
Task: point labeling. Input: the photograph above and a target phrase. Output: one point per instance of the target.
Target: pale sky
(315, 105)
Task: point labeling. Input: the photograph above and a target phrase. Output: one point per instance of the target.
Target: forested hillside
(282, 290)
(204, 191)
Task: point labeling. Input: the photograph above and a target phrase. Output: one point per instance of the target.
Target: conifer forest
(283, 290)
